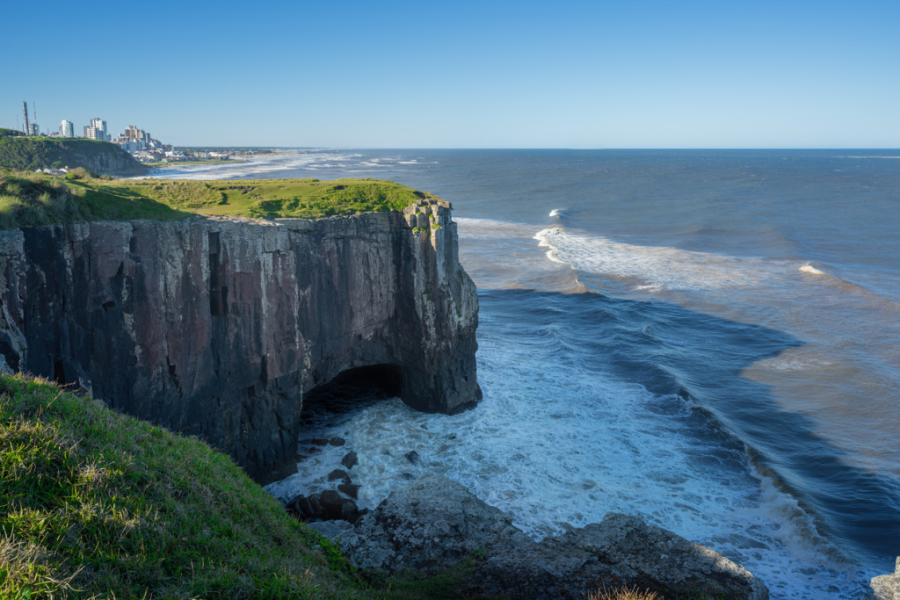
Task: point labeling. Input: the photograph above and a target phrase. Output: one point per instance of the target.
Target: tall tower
(25, 108)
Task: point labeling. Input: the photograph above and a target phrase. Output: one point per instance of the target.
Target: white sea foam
(651, 268)
(808, 268)
(557, 212)
(557, 444)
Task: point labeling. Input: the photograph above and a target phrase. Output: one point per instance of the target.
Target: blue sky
(463, 74)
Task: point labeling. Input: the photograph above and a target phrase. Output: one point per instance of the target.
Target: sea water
(705, 338)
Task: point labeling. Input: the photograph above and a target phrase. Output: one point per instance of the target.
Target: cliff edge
(220, 326)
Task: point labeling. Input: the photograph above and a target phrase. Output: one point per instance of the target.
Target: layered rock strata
(435, 522)
(218, 327)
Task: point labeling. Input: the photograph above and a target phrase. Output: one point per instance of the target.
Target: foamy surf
(558, 444)
(652, 268)
(809, 268)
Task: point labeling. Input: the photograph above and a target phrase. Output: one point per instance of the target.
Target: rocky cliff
(219, 327)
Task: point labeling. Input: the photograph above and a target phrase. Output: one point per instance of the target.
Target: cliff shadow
(350, 390)
(671, 350)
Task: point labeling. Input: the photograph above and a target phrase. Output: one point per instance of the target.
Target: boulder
(351, 489)
(431, 523)
(350, 460)
(338, 474)
(435, 522)
(620, 550)
(328, 506)
(885, 587)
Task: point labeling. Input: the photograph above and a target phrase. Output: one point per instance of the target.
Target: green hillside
(97, 504)
(32, 153)
(28, 199)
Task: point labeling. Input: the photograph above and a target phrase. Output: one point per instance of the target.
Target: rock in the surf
(351, 489)
(350, 460)
(338, 474)
(885, 587)
(327, 506)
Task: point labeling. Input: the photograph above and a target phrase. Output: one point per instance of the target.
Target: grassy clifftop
(32, 153)
(28, 199)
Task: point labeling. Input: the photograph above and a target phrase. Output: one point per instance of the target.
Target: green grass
(28, 199)
(94, 503)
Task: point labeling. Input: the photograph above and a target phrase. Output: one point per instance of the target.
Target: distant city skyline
(467, 75)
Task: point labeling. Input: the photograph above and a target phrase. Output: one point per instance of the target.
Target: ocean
(708, 339)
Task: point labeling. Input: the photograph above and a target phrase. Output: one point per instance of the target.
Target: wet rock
(335, 506)
(620, 550)
(351, 489)
(412, 457)
(885, 587)
(336, 441)
(350, 460)
(318, 442)
(327, 506)
(407, 476)
(338, 474)
(430, 523)
(434, 522)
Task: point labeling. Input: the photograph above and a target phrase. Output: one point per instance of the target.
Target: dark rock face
(435, 522)
(350, 460)
(218, 327)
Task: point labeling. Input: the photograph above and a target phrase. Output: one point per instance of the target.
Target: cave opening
(350, 390)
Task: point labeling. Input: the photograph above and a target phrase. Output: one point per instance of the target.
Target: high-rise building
(66, 129)
(96, 130)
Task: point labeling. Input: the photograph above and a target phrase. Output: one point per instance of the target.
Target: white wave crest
(651, 268)
(808, 268)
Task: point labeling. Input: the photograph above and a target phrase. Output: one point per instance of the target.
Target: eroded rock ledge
(435, 522)
(218, 327)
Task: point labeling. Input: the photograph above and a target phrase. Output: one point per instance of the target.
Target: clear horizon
(580, 75)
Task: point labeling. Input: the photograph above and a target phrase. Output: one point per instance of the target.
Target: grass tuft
(624, 593)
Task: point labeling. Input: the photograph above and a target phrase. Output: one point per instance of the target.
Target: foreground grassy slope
(94, 503)
(28, 199)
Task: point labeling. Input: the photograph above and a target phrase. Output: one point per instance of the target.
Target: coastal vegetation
(28, 199)
(32, 153)
(97, 503)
